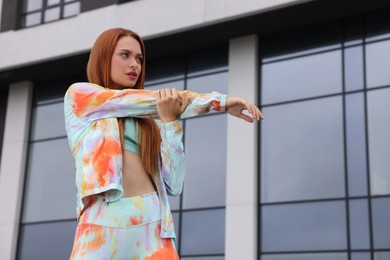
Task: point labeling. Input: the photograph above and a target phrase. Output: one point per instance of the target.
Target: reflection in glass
(32, 5)
(33, 19)
(47, 240)
(322, 256)
(71, 9)
(354, 28)
(356, 144)
(378, 24)
(381, 255)
(48, 121)
(359, 224)
(52, 14)
(302, 151)
(208, 61)
(205, 147)
(378, 62)
(380, 222)
(203, 232)
(354, 72)
(303, 77)
(165, 70)
(206, 84)
(50, 179)
(296, 227)
(52, 2)
(378, 106)
(361, 256)
(302, 41)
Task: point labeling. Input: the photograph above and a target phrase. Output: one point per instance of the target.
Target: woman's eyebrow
(129, 51)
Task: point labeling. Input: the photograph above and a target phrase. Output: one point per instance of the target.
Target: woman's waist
(125, 212)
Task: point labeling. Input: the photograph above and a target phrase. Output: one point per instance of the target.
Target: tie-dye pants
(125, 229)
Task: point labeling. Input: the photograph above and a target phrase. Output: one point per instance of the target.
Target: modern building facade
(310, 182)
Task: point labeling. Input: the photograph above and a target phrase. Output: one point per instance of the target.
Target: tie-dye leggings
(125, 229)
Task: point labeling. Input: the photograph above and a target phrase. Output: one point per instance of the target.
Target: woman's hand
(169, 104)
(235, 106)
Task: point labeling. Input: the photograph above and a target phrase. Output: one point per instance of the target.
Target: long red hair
(98, 72)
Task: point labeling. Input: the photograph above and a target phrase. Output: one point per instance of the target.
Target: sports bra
(131, 136)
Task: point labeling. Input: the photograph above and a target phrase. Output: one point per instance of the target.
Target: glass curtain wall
(199, 212)
(48, 218)
(325, 145)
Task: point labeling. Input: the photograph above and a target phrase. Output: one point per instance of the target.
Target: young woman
(127, 165)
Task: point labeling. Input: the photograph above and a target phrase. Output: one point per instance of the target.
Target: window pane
(204, 258)
(50, 179)
(381, 223)
(208, 61)
(378, 62)
(356, 144)
(322, 256)
(164, 70)
(359, 224)
(381, 255)
(47, 240)
(302, 77)
(71, 9)
(361, 256)
(175, 84)
(378, 25)
(379, 140)
(354, 72)
(296, 227)
(176, 220)
(52, 14)
(48, 121)
(52, 2)
(32, 19)
(305, 40)
(203, 232)
(32, 5)
(206, 84)
(174, 202)
(354, 28)
(205, 147)
(302, 151)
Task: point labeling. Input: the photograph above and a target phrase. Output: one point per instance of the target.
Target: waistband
(125, 212)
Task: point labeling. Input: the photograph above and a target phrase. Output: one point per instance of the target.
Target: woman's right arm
(92, 102)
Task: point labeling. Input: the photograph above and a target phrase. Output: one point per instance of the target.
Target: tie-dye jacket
(91, 113)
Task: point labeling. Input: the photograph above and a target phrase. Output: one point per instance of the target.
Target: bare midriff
(135, 180)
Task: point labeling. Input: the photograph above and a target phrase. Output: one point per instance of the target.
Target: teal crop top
(131, 136)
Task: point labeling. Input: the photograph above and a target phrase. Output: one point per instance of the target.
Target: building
(310, 182)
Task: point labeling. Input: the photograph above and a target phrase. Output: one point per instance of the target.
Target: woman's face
(126, 63)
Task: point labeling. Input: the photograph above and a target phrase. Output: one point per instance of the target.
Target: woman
(126, 165)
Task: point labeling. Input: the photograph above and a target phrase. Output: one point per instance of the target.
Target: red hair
(99, 72)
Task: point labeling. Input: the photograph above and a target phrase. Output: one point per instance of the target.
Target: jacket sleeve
(92, 102)
(172, 157)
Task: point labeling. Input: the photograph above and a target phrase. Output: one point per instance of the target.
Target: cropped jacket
(91, 113)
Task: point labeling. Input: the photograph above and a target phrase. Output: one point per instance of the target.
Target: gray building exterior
(310, 182)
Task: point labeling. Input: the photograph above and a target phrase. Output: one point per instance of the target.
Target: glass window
(48, 121)
(32, 5)
(204, 258)
(205, 148)
(359, 224)
(378, 106)
(162, 70)
(356, 144)
(46, 240)
(303, 41)
(32, 19)
(176, 221)
(302, 77)
(381, 255)
(174, 84)
(50, 182)
(354, 72)
(322, 256)
(361, 256)
(378, 24)
(53, 2)
(203, 232)
(174, 202)
(296, 227)
(380, 222)
(354, 28)
(302, 151)
(378, 62)
(71, 9)
(52, 14)
(208, 61)
(206, 84)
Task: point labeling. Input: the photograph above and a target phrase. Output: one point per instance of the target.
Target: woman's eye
(139, 60)
(124, 55)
